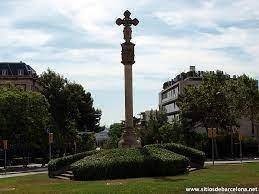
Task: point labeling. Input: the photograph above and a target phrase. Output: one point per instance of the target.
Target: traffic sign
(212, 132)
(50, 137)
(5, 144)
(240, 137)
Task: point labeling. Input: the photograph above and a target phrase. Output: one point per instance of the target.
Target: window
(4, 72)
(164, 95)
(20, 72)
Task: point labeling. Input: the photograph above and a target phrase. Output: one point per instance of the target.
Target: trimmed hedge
(196, 157)
(63, 162)
(126, 163)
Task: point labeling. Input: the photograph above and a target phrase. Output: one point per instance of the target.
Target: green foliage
(85, 142)
(170, 132)
(248, 98)
(133, 162)
(60, 163)
(219, 102)
(207, 103)
(195, 156)
(115, 133)
(71, 109)
(150, 132)
(23, 118)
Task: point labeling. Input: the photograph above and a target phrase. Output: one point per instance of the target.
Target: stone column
(128, 138)
(128, 96)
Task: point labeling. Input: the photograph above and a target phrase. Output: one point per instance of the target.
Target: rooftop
(16, 69)
(191, 74)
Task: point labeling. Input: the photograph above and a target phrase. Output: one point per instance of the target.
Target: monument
(128, 138)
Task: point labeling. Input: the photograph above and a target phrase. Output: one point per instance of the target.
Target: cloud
(82, 41)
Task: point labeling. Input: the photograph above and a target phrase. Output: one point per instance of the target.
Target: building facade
(102, 137)
(173, 88)
(19, 75)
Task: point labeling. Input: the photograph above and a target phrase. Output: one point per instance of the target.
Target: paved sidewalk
(9, 175)
(220, 162)
(19, 170)
(21, 166)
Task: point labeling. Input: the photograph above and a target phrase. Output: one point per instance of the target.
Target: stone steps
(68, 175)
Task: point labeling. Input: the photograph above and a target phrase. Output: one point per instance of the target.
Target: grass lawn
(240, 175)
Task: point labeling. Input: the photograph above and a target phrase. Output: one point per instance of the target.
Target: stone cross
(128, 138)
(127, 22)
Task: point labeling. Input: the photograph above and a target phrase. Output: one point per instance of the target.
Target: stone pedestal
(128, 139)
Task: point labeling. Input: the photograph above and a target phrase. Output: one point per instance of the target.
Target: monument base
(129, 140)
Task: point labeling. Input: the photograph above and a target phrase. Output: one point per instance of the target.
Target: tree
(170, 132)
(24, 118)
(219, 102)
(115, 133)
(81, 108)
(249, 97)
(149, 133)
(86, 142)
(71, 108)
(207, 105)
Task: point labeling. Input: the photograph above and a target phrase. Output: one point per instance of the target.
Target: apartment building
(172, 89)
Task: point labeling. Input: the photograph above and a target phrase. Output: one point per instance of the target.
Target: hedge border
(59, 165)
(196, 157)
(129, 163)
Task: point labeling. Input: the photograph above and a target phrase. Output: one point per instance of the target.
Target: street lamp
(5, 156)
(50, 142)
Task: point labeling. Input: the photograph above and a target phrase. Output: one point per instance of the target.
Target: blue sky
(80, 40)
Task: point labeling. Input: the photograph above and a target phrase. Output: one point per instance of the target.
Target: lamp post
(75, 146)
(231, 142)
(212, 133)
(240, 145)
(50, 142)
(5, 154)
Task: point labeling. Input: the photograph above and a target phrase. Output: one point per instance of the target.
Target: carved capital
(127, 53)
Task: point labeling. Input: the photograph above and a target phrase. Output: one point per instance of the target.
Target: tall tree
(71, 108)
(249, 97)
(207, 105)
(24, 118)
(170, 132)
(219, 102)
(150, 132)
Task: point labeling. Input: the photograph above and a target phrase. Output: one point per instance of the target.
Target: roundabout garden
(150, 161)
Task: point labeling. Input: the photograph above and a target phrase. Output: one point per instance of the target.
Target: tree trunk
(252, 120)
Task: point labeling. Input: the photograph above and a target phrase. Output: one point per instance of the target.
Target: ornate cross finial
(127, 22)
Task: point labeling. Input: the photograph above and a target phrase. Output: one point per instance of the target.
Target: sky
(80, 40)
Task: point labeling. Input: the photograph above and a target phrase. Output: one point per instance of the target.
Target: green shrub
(125, 163)
(60, 163)
(164, 162)
(196, 157)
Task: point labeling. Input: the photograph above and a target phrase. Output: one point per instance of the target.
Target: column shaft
(128, 97)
